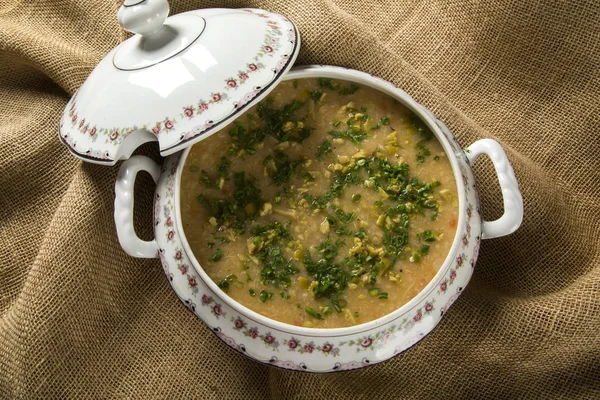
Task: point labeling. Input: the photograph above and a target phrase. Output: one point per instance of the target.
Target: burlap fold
(81, 319)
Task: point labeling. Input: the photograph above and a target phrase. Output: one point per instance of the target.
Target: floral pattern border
(313, 354)
(114, 136)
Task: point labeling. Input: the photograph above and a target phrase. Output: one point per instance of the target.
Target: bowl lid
(178, 80)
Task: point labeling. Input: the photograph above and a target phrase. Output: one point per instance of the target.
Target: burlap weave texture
(81, 319)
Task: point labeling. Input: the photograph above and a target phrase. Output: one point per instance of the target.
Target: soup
(326, 205)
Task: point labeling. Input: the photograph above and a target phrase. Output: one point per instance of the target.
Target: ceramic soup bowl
(309, 349)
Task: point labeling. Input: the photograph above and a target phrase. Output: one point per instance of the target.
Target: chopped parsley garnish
(343, 216)
(264, 295)
(382, 121)
(361, 234)
(245, 139)
(307, 176)
(237, 209)
(355, 136)
(394, 242)
(276, 269)
(282, 169)
(226, 282)
(351, 89)
(316, 95)
(313, 313)
(217, 256)
(419, 253)
(426, 236)
(284, 295)
(204, 179)
(422, 152)
(277, 120)
(331, 278)
(342, 231)
(327, 83)
(282, 124)
(324, 148)
(224, 166)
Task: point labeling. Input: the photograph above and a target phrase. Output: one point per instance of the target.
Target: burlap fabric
(80, 318)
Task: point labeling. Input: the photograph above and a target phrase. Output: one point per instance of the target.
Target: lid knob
(143, 16)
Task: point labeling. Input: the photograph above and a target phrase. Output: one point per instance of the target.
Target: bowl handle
(513, 201)
(130, 242)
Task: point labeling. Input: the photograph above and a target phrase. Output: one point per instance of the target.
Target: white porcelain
(309, 349)
(124, 186)
(144, 17)
(176, 82)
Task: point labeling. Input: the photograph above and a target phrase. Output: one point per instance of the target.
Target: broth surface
(326, 205)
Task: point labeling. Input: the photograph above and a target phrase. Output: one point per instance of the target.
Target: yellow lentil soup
(326, 205)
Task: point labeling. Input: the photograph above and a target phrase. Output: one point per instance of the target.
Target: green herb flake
(416, 257)
(284, 295)
(243, 206)
(217, 256)
(205, 179)
(316, 95)
(355, 136)
(226, 282)
(343, 216)
(426, 236)
(313, 313)
(276, 120)
(374, 292)
(326, 83)
(224, 166)
(276, 269)
(356, 197)
(331, 277)
(337, 123)
(422, 152)
(245, 139)
(324, 148)
(361, 234)
(343, 231)
(351, 89)
(285, 169)
(383, 295)
(252, 292)
(264, 295)
(307, 176)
